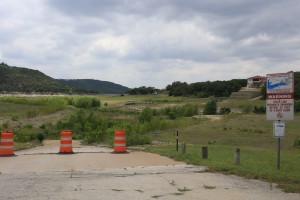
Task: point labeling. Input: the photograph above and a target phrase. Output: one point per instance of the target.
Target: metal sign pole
(278, 154)
(279, 131)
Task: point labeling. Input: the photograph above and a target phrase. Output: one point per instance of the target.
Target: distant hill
(92, 85)
(17, 79)
(24, 80)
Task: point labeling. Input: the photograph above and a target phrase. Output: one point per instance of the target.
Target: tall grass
(49, 105)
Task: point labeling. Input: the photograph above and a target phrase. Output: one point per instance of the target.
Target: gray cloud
(151, 42)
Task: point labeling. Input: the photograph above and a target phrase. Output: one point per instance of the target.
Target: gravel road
(97, 173)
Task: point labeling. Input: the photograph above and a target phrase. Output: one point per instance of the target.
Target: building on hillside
(256, 81)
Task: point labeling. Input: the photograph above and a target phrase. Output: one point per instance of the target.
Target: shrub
(210, 108)
(297, 142)
(189, 110)
(146, 115)
(5, 125)
(43, 126)
(259, 110)
(224, 111)
(40, 137)
(15, 117)
(85, 102)
(28, 126)
(172, 115)
(186, 110)
(247, 109)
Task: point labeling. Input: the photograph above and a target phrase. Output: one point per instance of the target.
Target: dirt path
(96, 173)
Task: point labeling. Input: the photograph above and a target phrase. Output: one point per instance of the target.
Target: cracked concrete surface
(96, 173)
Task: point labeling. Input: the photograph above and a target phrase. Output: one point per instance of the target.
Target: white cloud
(262, 37)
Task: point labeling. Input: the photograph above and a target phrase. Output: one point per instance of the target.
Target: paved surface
(96, 173)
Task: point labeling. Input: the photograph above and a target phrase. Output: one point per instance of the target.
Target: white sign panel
(280, 83)
(279, 129)
(280, 107)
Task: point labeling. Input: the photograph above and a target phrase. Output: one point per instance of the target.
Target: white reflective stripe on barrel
(6, 147)
(119, 138)
(66, 145)
(119, 145)
(6, 140)
(69, 138)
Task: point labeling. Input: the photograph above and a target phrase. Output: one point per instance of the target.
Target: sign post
(279, 130)
(280, 104)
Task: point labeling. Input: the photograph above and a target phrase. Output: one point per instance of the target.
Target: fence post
(204, 152)
(237, 155)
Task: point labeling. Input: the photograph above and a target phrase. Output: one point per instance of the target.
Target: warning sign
(280, 109)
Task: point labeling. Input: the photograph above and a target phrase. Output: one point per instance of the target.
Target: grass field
(252, 133)
(256, 163)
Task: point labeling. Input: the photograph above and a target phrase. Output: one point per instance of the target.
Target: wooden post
(237, 156)
(177, 140)
(204, 152)
(183, 148)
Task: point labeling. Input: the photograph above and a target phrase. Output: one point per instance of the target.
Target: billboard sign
(280, 83)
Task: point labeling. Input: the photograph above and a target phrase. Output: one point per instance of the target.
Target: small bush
(224, 111)
(210, 108)
(172, 115)
(85, 102)
(40, 137)
(259, 110)
(43, 126)
(246, 109)
(212, 142)
(5, 125)
(15, 117)
(28, 126)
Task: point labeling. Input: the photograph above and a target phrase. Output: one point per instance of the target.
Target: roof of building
(257, 76)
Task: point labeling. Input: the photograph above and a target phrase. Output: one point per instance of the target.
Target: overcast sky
(151, 42)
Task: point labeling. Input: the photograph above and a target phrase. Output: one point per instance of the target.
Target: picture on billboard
(280, 83)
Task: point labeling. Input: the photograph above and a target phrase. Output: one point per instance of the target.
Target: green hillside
(91, 85)
(17, 79)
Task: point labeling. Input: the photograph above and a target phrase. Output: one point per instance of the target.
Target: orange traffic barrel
(7, 143)
(120, 141)
(66, 142)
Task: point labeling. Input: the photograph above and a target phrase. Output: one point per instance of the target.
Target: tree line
(142, 90)
(206, 89)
